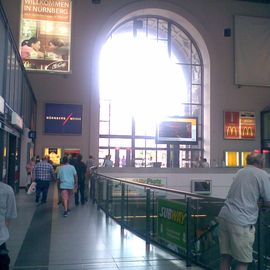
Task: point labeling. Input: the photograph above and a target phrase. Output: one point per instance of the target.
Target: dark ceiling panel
(257, 1)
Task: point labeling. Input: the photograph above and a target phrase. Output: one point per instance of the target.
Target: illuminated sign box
(239, 125)
(16, 120)
(2, 105)
(63, 118)
(45, 35)
(182, 130)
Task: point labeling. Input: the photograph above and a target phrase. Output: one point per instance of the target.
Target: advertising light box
(63, 118)
(45, 35)
(239, 125)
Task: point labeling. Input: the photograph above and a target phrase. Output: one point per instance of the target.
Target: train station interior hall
(163, 100)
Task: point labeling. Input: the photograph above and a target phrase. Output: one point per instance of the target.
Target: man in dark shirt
(81, 172)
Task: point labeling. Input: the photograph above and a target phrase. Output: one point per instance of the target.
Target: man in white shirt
(108, 162)
(239, 214)
(8, 211)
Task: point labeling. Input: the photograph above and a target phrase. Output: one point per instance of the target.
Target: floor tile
(84, 240)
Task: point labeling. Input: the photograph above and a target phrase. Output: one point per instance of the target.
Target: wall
(91, 24)
(179, 179)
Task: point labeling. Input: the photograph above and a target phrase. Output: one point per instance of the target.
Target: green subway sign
(172, 222)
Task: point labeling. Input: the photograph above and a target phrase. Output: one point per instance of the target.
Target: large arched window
(150, 68)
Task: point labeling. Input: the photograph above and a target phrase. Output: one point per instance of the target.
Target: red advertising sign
(231, 125)
(239, 125)
(45, 35)
(247, 125)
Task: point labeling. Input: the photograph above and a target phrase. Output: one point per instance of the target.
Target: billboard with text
(63, 118)
(45, 35)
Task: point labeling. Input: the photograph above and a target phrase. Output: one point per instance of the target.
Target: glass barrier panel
(101, 191)
(261, 247)
(134, 212)
(114, 199)
(184, 225)
(204, 232)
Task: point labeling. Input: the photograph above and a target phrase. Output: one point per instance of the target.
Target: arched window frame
(178, 40)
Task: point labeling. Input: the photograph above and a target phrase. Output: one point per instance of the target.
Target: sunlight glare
(139, 75)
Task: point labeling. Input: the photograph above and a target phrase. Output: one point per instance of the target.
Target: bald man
(239, 214)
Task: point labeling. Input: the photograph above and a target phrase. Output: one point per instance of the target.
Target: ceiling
(257, 1)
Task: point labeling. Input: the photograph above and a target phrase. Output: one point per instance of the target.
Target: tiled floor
(42, 239)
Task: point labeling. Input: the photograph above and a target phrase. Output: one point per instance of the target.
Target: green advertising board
(172, 222)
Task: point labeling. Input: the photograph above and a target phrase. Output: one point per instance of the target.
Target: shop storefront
(17, 110)
(56, 153)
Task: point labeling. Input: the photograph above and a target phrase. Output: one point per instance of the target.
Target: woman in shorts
(68, 182)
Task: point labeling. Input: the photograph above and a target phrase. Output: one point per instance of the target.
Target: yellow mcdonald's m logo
(247, 132)
(231, 131)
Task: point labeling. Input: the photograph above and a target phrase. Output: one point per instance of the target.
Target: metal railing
(181, 222)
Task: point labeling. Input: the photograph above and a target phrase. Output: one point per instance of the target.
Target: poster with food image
(45, 35)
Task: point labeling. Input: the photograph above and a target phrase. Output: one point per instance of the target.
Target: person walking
(43, 174)
(58, 181)
(8, 211)
(81, 173)
(238, 216)
(108, 163)
(68, 182)
(29, 171)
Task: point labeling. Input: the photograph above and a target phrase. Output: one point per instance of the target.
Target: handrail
(149, 214)
(159, 188)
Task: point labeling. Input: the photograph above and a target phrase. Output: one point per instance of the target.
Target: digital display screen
(63, 118)
(183, 130)
(201, 186)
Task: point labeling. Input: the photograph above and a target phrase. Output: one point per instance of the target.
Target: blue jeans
(42, 187)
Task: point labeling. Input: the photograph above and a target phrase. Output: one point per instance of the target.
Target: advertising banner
(172, 222)
(239, 125)
(45, 35)
(63, 118)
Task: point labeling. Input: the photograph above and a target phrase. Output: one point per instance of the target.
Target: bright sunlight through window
(138, 75)
(149, 69)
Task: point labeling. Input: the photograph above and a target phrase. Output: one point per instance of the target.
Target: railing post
(93, 185)
(188, 229)
(107, 198)
(122, 204)
(148, 213)
(97, 192)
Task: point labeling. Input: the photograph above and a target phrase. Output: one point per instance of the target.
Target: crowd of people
(200, 163)
(72, 176)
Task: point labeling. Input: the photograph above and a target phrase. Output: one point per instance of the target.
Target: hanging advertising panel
(45, 35)
(239, 125)
(63, 118)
